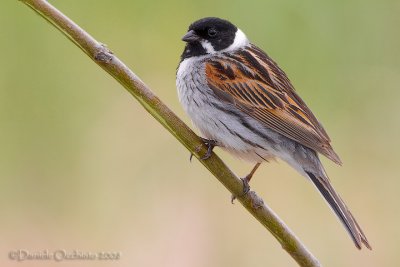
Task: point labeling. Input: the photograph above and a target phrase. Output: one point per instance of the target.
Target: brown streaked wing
(251, 81)
(282, 81)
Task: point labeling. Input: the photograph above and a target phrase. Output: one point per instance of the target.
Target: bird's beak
(191, 36)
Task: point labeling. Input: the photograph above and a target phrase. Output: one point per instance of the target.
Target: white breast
(190, 79)
(193, 91)
(201, 104)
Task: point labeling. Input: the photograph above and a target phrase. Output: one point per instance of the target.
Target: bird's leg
(210, 146)
(246, 181)
(250, 175)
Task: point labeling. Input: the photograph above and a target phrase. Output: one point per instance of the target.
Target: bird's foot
(246, 188)
(210, 146)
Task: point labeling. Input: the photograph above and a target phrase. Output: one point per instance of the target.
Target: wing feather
(255, 84)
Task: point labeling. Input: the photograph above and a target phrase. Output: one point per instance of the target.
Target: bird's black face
(208, 35)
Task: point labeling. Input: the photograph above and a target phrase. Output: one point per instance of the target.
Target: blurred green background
(84, 167)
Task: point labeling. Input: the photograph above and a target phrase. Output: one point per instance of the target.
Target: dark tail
(338, 206)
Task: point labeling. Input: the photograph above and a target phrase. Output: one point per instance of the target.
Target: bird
(243, 102)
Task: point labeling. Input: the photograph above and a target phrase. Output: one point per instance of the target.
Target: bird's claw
(246, 189)
(210, 146)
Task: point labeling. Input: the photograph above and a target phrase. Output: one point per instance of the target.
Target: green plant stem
(100, 54)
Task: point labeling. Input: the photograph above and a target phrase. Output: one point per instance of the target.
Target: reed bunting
(241, 101)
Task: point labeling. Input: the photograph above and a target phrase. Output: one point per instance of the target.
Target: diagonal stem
(101, 55)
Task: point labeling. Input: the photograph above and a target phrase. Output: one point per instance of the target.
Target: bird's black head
(210, 35)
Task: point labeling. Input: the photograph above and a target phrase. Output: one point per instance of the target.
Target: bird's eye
(212, 32)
